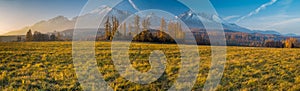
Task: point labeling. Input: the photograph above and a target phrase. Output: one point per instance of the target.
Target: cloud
(231, 17)
(286, 22)
(256, 11)
(133, 5)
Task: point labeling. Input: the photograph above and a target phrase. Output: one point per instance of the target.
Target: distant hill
(291, 35)
(61, 23)
(267, 32)
(55, 24)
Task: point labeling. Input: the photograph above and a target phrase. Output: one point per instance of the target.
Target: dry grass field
(49, 66)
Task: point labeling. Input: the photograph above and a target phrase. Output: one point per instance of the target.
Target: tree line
(288, 43)
(142, 31)
(38, 36)
(250, 40)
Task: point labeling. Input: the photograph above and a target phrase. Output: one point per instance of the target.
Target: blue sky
(16, 14)
(280, 15)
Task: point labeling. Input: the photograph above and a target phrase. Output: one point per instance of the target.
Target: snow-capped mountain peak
(196, 20)
(101, 9)
(191, 19)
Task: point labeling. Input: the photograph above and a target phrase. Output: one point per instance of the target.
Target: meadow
(49, 66)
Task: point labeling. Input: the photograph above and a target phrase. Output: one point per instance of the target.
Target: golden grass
(49, 66)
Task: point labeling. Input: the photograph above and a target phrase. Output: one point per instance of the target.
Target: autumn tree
(124, 29)
(145, 34)
(115, 26)
(162, 30)
(171, 27)
(108, 35)
(180, 33)
(290, 42)
(137, 26)
(272, 43)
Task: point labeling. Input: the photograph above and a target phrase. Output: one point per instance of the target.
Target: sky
(16, 14)
(278, 15)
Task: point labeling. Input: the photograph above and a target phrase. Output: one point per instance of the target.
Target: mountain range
(61, 23)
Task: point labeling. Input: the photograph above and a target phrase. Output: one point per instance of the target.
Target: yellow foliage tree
(290, 42)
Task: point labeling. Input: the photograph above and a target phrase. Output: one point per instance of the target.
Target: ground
(49, 66)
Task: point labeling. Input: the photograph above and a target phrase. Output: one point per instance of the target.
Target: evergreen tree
(150, 36)
(38, 36)
(52, 37)
(19, 39)
(129, 34)
(29, 36)
(58, 37)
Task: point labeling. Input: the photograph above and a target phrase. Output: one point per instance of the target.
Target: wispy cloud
(133, 5)
(256, 11)
(286, 22)
(231, 17)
